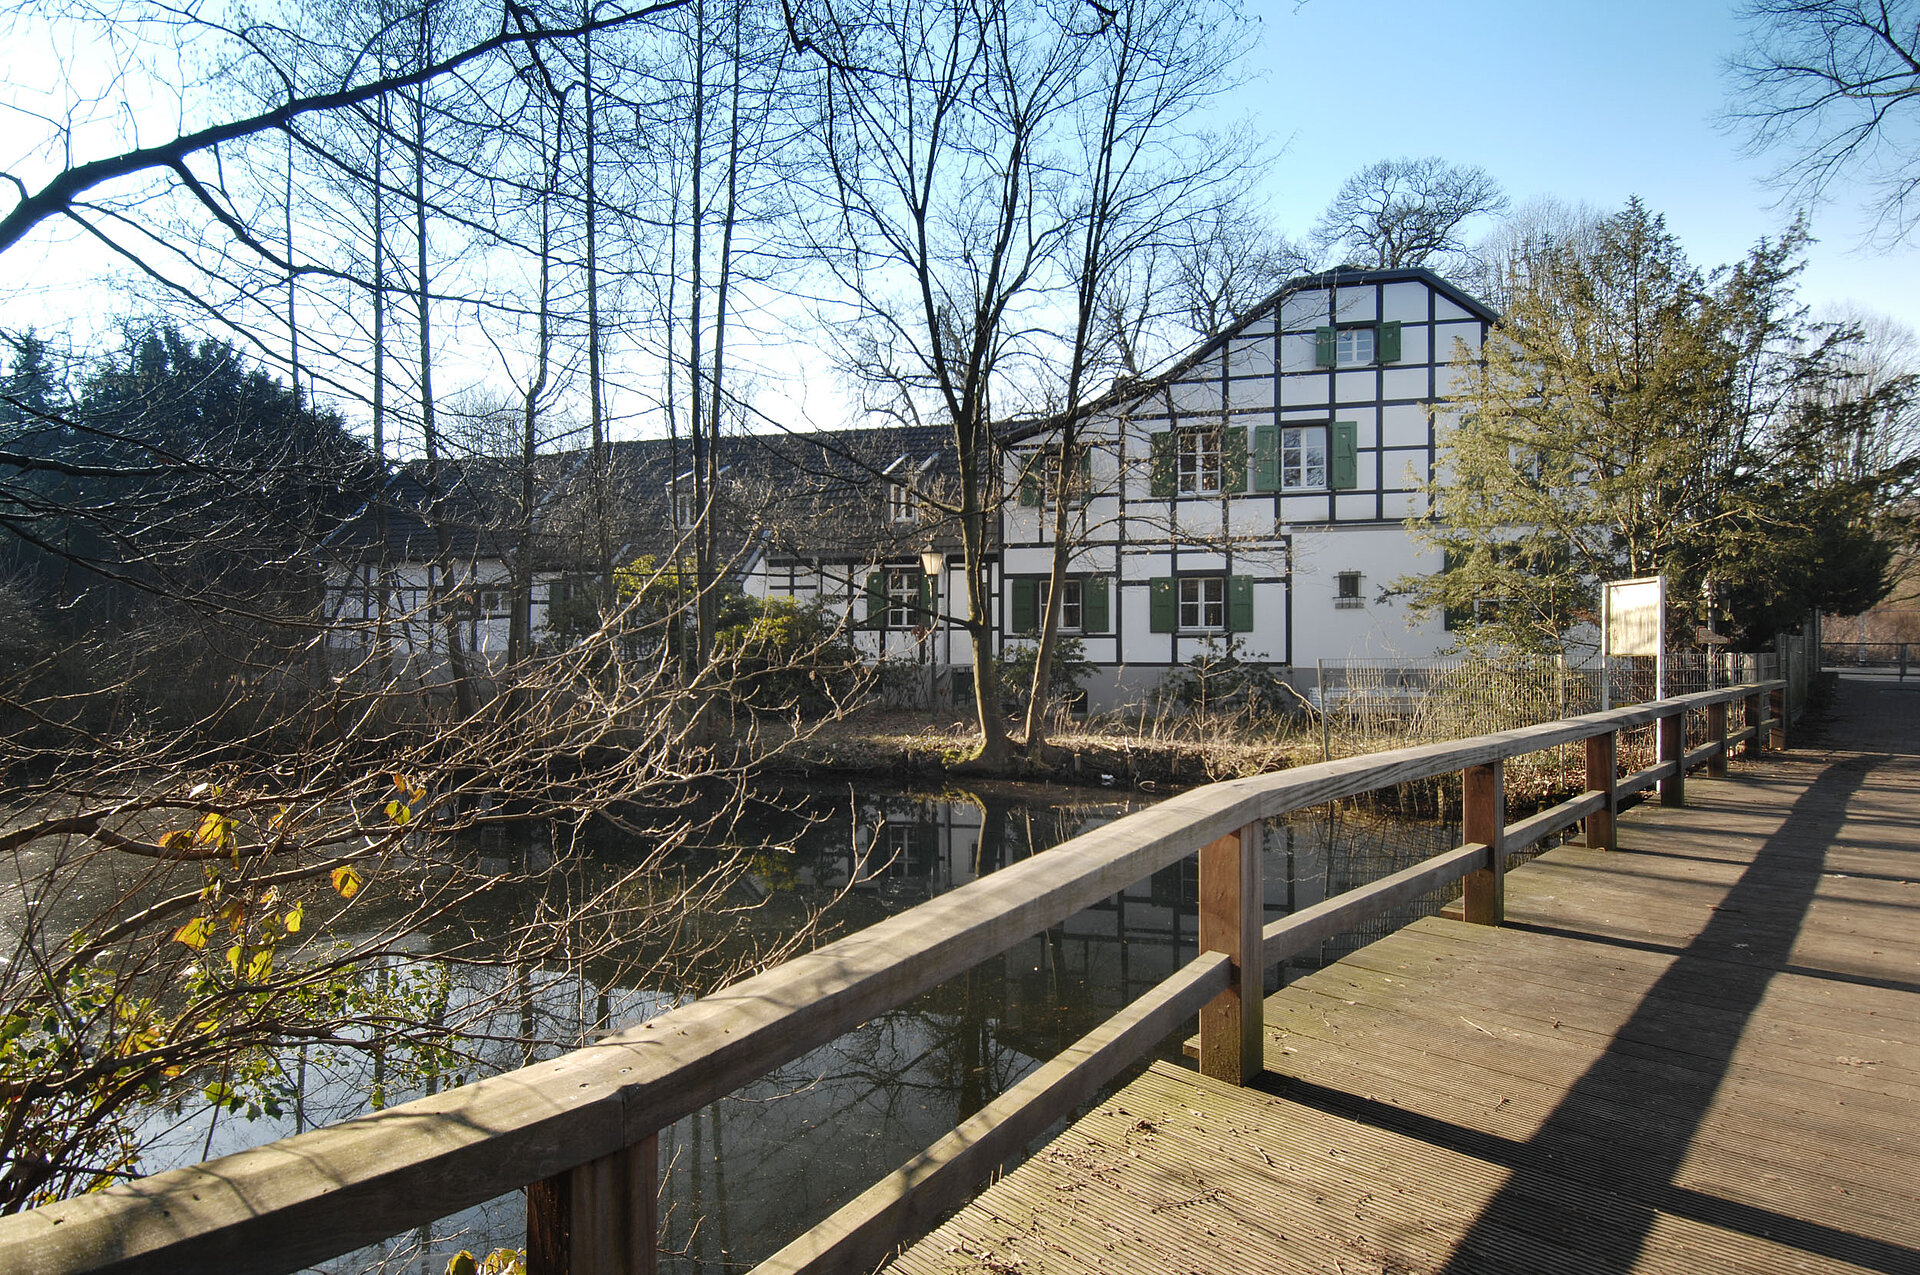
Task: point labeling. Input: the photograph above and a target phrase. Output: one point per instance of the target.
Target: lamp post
(1711, 586)
(933, 562)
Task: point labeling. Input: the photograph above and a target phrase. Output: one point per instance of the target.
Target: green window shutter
(1233, 458)
(1160, 609)
(1160, 464)
(1093, 604)
(1026, 606)
(1266, 458)
(1386, 343)
(1324, 352)
(926, 598)
(1030, 482)
(1343, 465)
(876, 599)
(1240, 604)
(1085, 489)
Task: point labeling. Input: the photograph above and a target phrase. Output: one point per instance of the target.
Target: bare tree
(1405, 212)
(931, 135)
(1231, 261)
(1830, 86)
(1142, 183)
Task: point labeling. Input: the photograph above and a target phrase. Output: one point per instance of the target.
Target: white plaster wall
(1404, 302)
(1404, 382)
(1305, 389)
(1357, 305)
(1381, 555)
(1403, 425)
(1250, 392)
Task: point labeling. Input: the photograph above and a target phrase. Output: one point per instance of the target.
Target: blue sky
(1583, 102)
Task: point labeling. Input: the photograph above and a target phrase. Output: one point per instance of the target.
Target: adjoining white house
(1259, 502)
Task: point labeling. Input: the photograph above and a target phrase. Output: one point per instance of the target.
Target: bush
(1220, 682)
(1066, 683)
(789, 656)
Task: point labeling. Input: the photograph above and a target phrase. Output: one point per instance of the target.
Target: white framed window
(1346, 594)
(1303, 457)
(1199, 461)
(685, 511)
(903, 598)
(1072, 606)
(1353, 346)
(901, 506)
(1203, 602)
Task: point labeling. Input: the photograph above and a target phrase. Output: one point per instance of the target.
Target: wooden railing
(579, 1133)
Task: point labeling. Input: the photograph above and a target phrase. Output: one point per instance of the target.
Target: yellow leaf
(462, 1263)
(294, 915)
(194, 933)
(234, 913)
(233, 959)
(215, 830)
(260, 968)
(178, 839)
(346, 881)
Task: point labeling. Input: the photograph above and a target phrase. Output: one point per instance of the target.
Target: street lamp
(933, 562)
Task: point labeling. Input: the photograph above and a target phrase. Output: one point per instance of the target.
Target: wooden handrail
(303, 1199)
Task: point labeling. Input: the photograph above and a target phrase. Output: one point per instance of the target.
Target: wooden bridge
(1696, 1055)
(1702, 1054)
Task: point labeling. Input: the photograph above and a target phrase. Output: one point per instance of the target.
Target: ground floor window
(903, 598)
(1203, 602)
(1200, 604)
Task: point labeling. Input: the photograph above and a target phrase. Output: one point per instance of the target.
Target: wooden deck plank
(1700, 1053)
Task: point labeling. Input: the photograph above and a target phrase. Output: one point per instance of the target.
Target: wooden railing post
(599, 1219)
(1483, 819)
(1231, 909)
(1673, 748)
(1717, 732)
(1751, 748)
(1777, 710)
(1602, 768)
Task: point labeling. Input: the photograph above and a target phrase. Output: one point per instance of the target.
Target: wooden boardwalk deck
(1701, 1053)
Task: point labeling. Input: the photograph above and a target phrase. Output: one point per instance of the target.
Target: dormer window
(901, 506)
(685, 510)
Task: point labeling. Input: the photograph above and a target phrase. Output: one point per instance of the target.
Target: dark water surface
(747, 1174)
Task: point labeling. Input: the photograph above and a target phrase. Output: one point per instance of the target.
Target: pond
(745, 1175)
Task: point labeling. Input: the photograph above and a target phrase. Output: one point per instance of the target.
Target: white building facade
(1258, 505)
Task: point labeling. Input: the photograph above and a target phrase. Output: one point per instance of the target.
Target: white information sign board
(1633, 621)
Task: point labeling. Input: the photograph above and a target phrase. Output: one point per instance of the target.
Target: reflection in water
(747, 1174)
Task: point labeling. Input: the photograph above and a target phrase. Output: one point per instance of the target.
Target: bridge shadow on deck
(1749, 939)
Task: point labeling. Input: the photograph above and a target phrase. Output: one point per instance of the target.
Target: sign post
(1633, 621)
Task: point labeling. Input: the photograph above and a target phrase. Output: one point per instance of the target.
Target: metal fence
(1891, 657)
(1367, 704)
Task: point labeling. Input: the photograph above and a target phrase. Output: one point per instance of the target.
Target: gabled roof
(1125, 392)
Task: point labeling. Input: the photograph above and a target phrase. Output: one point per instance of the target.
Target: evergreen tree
(1635, 416)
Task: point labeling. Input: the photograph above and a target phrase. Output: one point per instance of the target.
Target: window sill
(1349, 604)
